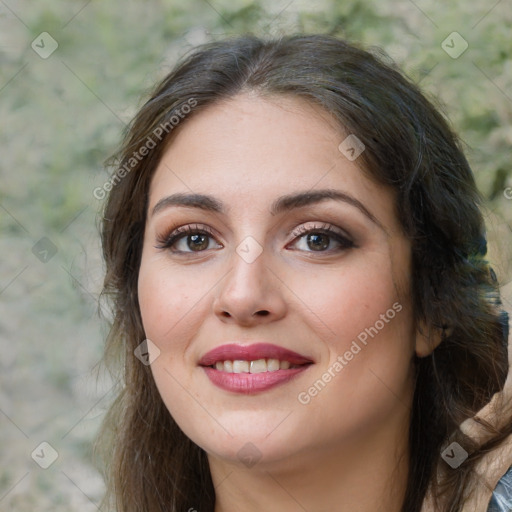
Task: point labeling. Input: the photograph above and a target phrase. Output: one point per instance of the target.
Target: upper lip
(253, 352)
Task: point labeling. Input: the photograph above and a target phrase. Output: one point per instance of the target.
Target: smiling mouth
(254, 366)
(256, 376)
(254, 358)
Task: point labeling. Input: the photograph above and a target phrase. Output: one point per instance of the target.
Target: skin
(347, 448)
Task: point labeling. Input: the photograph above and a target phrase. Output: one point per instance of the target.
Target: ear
(428, 338)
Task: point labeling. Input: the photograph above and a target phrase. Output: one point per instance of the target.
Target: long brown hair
(151, 464)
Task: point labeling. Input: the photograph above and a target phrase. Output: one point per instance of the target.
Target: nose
(251, 293)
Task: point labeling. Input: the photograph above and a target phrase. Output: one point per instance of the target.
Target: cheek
(344, 301)
(169, 300)
(172, 304)
(364, 317)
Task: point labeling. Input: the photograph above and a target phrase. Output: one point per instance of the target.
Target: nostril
(263, 312)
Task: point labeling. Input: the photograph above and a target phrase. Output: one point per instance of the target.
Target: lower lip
(247, 383)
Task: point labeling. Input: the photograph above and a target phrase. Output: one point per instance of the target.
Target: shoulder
(501, 500)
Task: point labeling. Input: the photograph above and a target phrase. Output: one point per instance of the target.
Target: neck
(365, 474)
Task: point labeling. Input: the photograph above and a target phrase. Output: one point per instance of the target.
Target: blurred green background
(62, 114)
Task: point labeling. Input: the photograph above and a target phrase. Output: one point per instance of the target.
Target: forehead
(248, 150)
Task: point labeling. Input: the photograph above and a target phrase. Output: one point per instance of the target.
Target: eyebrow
(280, 205)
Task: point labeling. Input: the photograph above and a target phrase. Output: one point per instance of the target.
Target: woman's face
(287, 261)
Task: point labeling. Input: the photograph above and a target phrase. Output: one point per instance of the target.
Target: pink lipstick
(252, 368)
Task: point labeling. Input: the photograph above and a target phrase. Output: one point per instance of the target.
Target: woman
(295, 254)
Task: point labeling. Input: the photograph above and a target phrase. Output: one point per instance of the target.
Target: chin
(254, 439)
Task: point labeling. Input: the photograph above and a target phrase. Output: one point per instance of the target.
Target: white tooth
(240, 366)
(219, 365)
(228, 366)
(273, 365)
(258, 366)
(285, 365)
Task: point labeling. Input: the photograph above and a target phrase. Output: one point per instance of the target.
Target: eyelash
(166, 241)
(326, 229)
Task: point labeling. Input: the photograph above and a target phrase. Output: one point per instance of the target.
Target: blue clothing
(502, 496)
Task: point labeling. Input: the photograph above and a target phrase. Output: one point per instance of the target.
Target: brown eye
(321, 240)
(197, 242)
(187, 239)
(317, 241)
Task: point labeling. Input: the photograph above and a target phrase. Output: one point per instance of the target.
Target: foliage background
(61, 117)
